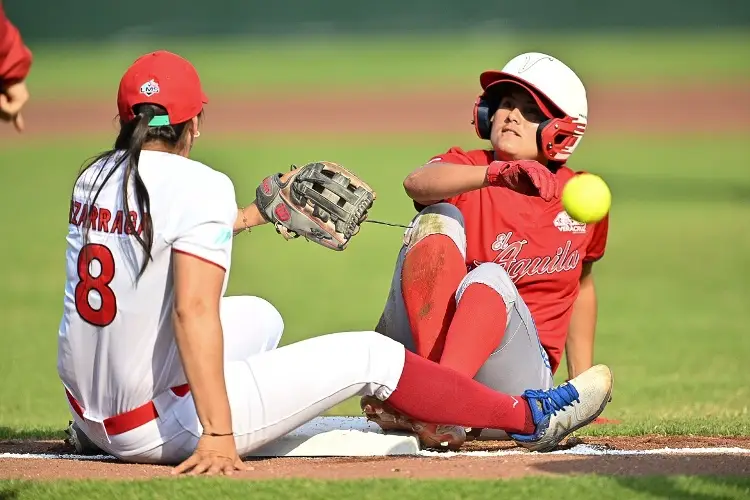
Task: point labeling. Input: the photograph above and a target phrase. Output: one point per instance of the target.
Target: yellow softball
(586, 198)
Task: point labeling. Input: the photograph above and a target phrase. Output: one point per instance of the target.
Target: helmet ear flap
(556, 138)
(544, 142)
(483, 111)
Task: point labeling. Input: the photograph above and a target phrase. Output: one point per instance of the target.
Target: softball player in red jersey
(160, 367)
(15, 63)
(495, 279)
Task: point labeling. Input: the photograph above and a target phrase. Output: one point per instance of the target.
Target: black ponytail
(133, 135)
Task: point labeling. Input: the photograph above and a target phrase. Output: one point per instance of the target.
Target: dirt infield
(473, 465)
(717, 109)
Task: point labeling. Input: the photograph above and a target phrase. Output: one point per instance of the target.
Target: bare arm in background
(579, 346)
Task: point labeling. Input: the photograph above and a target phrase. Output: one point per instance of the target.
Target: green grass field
(673, 294)
(673, 297)
(349, 64)
(584, 488)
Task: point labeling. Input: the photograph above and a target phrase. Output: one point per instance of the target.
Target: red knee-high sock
(431, 272)
(435, 394)
(476, 329)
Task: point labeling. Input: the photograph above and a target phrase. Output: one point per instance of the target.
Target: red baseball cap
(162, 78)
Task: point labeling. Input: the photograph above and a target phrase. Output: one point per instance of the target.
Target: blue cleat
(559, 411)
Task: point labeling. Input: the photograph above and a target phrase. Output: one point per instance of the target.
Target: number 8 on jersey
(99, 283)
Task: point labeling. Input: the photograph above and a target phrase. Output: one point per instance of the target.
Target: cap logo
(150, 88)
(527, 65)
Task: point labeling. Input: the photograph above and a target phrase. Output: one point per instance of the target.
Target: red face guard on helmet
(555, 137)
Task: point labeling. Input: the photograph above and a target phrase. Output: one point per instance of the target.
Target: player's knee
(494, 276)
(445, 210)
(371, 338)
(269, 317)
(383, 359)
(440, 218)
(368, 344)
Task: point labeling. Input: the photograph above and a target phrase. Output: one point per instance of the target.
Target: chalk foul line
(581, 449)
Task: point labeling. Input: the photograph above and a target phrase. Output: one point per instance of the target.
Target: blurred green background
(673, 320)
(89, 20)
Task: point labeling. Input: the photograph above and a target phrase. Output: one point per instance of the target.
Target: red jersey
(538, 244)
(15, 57)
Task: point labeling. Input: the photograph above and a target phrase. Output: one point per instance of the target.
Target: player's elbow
(420, 189)
(186, 310)
(414, 185)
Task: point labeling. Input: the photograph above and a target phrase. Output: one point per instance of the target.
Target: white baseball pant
(271, 390)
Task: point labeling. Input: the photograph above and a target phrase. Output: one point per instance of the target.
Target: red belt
(132, 419)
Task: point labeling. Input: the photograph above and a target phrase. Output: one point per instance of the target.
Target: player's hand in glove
(214, 455)
(524, 176)
(320, 201)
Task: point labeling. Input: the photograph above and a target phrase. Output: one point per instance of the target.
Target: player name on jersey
(509, 258)
(102, 219)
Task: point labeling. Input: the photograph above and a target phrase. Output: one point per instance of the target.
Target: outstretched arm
(437, 181)
(248, 217)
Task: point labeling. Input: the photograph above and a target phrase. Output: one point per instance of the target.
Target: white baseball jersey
(116, 345)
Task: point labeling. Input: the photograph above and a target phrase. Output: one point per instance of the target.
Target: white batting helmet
(557, 90)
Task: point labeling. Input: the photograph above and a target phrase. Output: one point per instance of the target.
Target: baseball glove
(320, 201)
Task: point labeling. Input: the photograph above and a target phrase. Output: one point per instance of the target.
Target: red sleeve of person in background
(15, 57)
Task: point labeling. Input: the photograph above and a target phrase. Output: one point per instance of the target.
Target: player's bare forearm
(199, 339)
(579, 346)
(437, 181)
(248, 217)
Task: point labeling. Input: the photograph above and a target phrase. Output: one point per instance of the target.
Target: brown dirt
(462, 467)
(625, 109)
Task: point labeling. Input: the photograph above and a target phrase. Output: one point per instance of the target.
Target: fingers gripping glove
(524, 176)
(321, 201)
